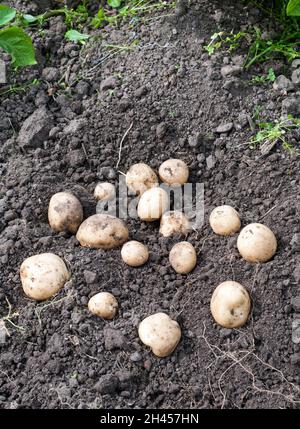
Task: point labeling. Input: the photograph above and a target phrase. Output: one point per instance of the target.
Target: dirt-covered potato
(141, 177)
(160, 333)
(65, 212)
(152, 204)
(43, 275)
(174, 222)
(104, 191)
(102, 231)
(174, 172)
(104, 305)
(257, 243)
(225, 220)
(183, 257)
(134, 253)
(230, 304)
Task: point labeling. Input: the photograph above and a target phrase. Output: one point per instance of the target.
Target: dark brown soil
(58, 355)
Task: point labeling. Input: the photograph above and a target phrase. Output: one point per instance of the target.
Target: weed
(270, 77)
(14, 89)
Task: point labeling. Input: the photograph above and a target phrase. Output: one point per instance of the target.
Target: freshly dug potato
(174, 222)
(152, 204)
(65, 212)
(160, 333)
(141, 177)
(257, 243)
(104, 191)
(134, 253)
(174, 172)
(102, 231)
(103, 304)
(225, 220)
(230, 304)
(183, 257)
(43, 275)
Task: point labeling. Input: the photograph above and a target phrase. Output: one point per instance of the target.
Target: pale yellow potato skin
(174, 172)
(102, 231)
(174, 222)
(183, 257)
(230, 304)
(104, 191)
(65, 212)
(160, 333)
(134, 253)
(152, 204)
(257, 243)
(43, 275)
(104, 305)
(140, 177)
(225, 220)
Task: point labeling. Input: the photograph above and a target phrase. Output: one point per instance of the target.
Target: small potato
(174, 222)
(102, 231)
(257, 243)
(134, 253)
(152, 204)
(141, 177)
(160, 333)
(225, 220)
(105, 191)
(174, 172)
(183, 257)
(230, 304)
(103, 304)
(65, 212)
(43, 275)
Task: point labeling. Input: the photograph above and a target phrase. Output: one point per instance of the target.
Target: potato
(134, 253)
(174, 172)
(230, 304)
(160, 333)
(103, 304)
(102, 231)
(183, 257)
(65, 212)
(257, 243)
(104, 191)
(141, 177)
(152, 204)
(225, 220)
(43, 275)
(174, 222)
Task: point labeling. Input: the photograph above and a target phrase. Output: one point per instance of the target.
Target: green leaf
(75, 36)
(18, 44)
(114, 3)
(30, 18)
(7, 14)
(293, 8)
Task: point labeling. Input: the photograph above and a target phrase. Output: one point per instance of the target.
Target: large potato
(230, 304)
(102, 231)
(65, 212)
(257, 243)
(134, 253)
(104, 191)
(43, 275)
(225, 220)
(183, 257)
(141, 177)
(152, 204)
(174, 172)
(174, 222)
(103, 304)
(160, 333)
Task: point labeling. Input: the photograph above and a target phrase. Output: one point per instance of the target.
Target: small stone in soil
(295, 301)
(229, 70)
(90, 277)
(107, 384)
(282, 83)
(113, 339)
(135, 357)
(224, 128)
(108, 83)
(296, 331)
(296, 76)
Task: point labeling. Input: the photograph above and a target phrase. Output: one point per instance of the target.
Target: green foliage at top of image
(293, 8)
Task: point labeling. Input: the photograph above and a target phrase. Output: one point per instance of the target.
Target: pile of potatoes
(43, 275)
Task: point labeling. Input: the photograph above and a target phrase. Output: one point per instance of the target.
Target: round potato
(102, 231)
(65, 212)
(230, 304)
(134, 253)
(174, 172)
(174, 222)
(141, 177)
(104, 305)
(225, 220)
(43, 275)
(160, 333)
(257, 243)
(105, 191)
(183, 257)
(152, 204)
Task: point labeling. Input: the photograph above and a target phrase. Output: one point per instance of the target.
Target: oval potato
(65, 212)
(183, 257)
(104, 191)
(225, 220)
(174, 222)
(152, 204)
(174, 172)
(134, 253)
(104, 305)
(257, 243)
(141, 177)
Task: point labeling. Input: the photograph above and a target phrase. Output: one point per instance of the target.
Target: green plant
(270, 77)
(230, 40)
